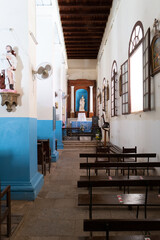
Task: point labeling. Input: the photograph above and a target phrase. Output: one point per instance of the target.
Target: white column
(72, 99)
(91, 99)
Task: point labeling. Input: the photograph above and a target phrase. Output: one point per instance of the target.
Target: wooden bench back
(145, 181)
(121, 225)
(103, 164)
(117, 155)
(129, 150)
(102, 149)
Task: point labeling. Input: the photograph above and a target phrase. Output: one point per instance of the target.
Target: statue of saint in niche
(81, 104)
(9, 64)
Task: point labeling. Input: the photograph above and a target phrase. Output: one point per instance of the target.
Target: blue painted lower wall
(45, 131)
(59, 134)
(18, 157)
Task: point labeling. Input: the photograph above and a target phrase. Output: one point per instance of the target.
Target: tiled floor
(54, 215)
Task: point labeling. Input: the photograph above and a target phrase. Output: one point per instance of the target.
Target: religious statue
(81, 104)
(9, 63)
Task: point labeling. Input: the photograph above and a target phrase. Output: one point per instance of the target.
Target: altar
(87, 125)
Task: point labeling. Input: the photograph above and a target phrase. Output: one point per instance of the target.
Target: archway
(79, 94)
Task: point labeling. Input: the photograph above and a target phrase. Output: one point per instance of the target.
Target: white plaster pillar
(72, 99)
(91, 99)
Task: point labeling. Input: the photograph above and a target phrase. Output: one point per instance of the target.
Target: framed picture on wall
(155, 54)
(54, 118)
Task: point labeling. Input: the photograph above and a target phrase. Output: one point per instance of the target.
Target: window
(98, 101)
(124, 87)
(104, 95)
(146, 72)
(136, 68)
(114, 89)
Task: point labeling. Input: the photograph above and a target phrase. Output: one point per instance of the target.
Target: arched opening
(79, 94)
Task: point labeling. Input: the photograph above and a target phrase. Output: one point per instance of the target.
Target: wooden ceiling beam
(81, 48)
(83, 25)
(83, 30)
(84, 13)
(81, 57)
(80, 42)
(64, 3)
(77, 44)
(88, 37)
(83, 34)
(75, 57)
(83, 19)
(82, 54)
(89, 7)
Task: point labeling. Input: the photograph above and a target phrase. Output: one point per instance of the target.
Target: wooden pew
(122, 199)
(41, 157)
(5, 209)
(70, 132)
(118, 165)
(122, 225)
(47, 150)
(119, 157)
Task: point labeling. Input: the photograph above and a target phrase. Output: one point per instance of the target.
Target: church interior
(80, 120)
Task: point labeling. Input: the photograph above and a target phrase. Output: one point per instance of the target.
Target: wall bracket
(9, 99)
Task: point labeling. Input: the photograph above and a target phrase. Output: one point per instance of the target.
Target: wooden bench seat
(138, 199)
(5, 209)
(122, 225)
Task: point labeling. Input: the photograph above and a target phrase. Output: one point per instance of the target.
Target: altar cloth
(87, 125)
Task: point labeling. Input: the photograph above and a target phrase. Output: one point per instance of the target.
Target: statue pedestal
(9, 98)
(91, 114)
(86, 113)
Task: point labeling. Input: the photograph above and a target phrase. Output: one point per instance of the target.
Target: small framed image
(155, 54)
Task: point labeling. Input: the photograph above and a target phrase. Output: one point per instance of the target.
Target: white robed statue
(9, 64)
(81, 104)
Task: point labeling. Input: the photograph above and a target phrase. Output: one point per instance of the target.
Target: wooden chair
(5, 209)
(129, 150)
(47, 150)
(41, 157)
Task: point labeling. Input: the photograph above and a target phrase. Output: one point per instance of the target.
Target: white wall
(50, 49)
(141, 129)
(45, 50)
(22, 14)
(82, 69)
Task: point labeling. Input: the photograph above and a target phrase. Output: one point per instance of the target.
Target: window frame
(114, 89)
(125, 73)
(147, 80)
(130, 53)
(104, 96)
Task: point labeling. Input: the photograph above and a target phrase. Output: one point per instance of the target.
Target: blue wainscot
(18, 157)
(45, 130)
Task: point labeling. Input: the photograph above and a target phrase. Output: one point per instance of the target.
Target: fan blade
(48, 67)
(40, 70)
